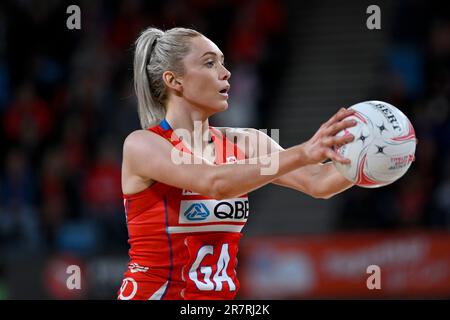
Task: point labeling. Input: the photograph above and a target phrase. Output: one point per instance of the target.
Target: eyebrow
(213, 53)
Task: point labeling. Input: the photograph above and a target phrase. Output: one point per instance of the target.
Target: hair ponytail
(149, 109)
(157, 51)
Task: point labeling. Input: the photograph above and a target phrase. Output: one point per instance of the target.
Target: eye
(210, 64)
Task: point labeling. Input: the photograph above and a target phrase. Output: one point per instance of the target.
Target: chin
(225, 106)
(220, 107)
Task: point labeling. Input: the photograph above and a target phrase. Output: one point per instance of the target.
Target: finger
(345, 114)
(336, 157)
(337, 127)
(336, 141)
(341, 114)
(333, 118)
(343, 139)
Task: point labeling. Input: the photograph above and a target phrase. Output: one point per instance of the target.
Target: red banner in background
(412, 265)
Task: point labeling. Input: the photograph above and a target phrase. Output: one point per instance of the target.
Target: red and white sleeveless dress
(183, 245)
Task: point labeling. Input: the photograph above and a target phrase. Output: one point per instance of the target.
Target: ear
(172, 81)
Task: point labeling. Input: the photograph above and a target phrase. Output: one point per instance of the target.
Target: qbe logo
(197, 212)
(237, 210)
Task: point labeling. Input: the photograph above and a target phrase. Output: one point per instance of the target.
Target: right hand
(320, 147)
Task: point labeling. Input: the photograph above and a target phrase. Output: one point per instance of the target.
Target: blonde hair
(156, 52)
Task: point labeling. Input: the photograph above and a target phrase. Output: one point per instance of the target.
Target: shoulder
(144, 152)
(138, 137)
(141, 155)
(142, 141)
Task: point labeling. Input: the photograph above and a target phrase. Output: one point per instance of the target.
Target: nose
(226, 74)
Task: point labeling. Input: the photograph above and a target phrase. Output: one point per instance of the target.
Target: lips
(224, 90)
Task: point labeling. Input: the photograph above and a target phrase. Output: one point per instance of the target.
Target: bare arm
(317, 180)
(147, 156)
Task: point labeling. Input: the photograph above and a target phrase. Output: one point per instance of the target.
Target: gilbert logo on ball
(384, 145)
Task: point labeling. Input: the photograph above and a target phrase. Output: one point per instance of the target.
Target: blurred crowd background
(67, 103)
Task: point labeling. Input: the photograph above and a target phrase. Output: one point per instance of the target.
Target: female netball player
(185, 219)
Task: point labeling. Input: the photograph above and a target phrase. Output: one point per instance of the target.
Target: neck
(180, 115)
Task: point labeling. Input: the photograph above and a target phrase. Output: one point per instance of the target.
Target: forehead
(200, 45)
